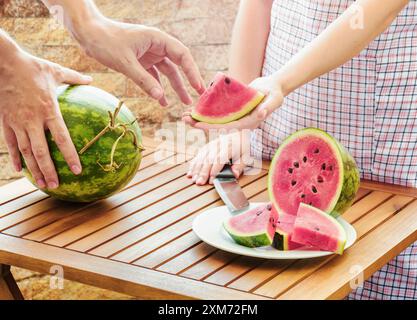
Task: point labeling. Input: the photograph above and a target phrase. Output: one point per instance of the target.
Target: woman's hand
(233, 147)
(274, 97)
(28, 107)
(141, 53)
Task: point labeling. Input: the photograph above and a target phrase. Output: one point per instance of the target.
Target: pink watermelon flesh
(316, 228)
(283, 233)
(306, 171)
(255, 228)
(226, 100)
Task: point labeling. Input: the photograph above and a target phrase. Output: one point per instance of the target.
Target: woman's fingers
(42, 156)
(170, 70)
(186, 117)
(11, 143)
(26, 151)
(271, 102)
(238, 169)
(215, 170)
(204, 174)
(63, 140)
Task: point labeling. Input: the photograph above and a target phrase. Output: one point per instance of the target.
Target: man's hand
(274, 97)
(28, 107)
(142, 53)
(139, 52)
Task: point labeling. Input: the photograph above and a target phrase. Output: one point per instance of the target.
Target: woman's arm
(342, 40)
(250, 35)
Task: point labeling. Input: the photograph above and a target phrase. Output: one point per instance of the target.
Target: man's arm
(139, 52)
(250, 35)
(28, 107)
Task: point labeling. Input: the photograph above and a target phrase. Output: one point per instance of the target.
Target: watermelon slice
(312, 167)
(254, 228)
(283, 233)
(226, 100)
(316, 228)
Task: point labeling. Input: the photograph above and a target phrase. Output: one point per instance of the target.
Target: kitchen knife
(229, 190)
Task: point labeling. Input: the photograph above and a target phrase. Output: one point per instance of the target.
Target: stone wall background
(203, 25)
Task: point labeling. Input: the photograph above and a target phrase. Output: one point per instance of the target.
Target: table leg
(8, 286)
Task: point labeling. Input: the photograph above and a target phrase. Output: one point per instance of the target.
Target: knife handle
(226, 173)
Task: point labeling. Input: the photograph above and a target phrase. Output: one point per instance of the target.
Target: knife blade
(229, 190)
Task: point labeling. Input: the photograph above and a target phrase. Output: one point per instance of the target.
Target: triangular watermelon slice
(254, 228)
(283, 233)
(318, 229)
(226, 100)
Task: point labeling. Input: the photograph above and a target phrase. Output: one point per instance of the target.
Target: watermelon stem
(112, 126)
(113, 166)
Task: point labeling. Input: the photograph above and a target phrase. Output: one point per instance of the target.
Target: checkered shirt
(368, 104)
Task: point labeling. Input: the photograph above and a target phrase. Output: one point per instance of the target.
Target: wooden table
(140, 241)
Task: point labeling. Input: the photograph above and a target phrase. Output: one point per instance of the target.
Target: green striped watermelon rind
(251, 240)
(85, 112)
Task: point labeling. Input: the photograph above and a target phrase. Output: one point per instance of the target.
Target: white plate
(208, 226)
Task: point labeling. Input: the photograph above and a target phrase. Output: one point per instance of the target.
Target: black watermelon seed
(211, 84)
(316, 151)
(296, 164)
(293, 182)
(311, 203)
(269, 206)
(227, 80)
(305, 159)
(314, 189)
(317, 228)
(323, 166)
(303, 196)
(290, 170)
(319, 179)
(331, 168)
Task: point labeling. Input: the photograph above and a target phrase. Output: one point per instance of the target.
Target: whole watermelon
(107, 138)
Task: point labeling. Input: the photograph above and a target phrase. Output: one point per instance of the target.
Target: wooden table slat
(148, 245)
(101, 219)
(129, 193)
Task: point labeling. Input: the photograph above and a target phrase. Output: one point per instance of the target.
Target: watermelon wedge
(317, 229)
(283, 233)
(312, 167)
(226, 100)
(254, 228)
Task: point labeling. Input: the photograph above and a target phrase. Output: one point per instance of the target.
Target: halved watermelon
(317, 229)
(226, 100)
(312, 167)
(254, 228)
